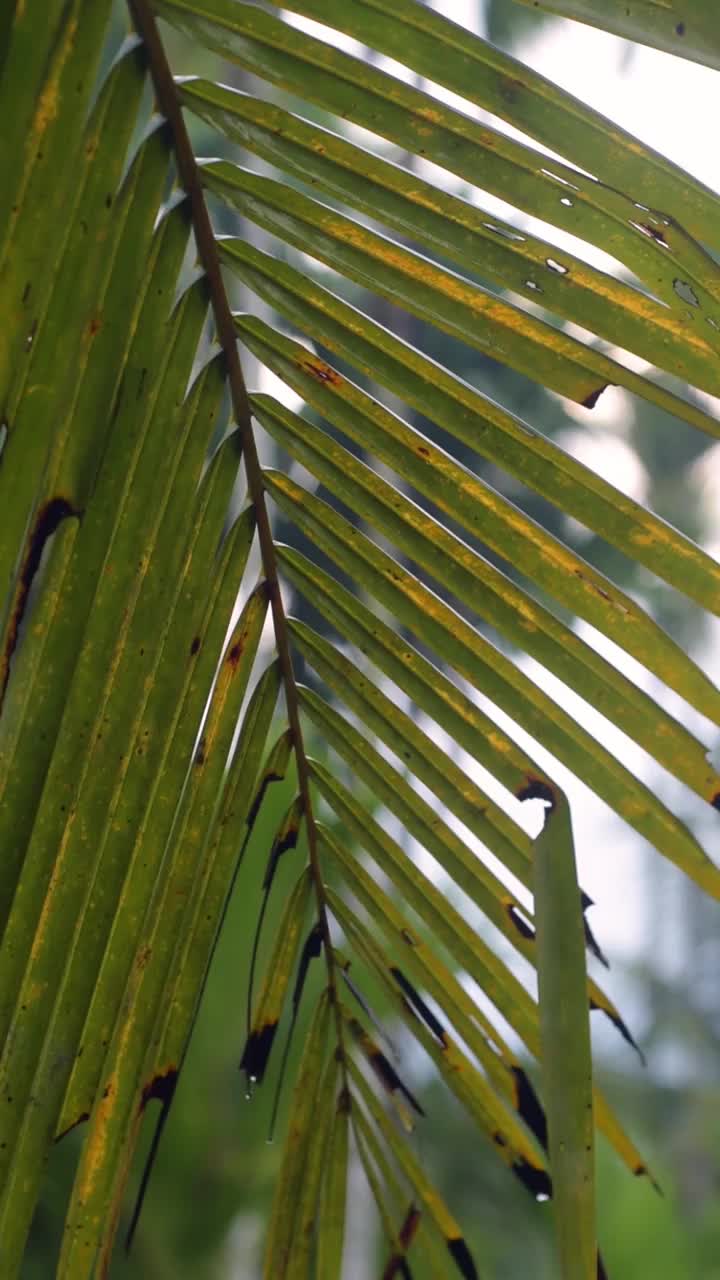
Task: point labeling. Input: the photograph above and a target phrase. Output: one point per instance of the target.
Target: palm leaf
(128, 794)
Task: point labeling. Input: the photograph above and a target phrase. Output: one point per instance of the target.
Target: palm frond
(137, 702)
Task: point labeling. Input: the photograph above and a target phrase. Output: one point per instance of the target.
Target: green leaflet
(452, 487)
(307, 1096)
(687, 28)
(332, 1208)
(383, 357)
(565, 1038)
(350, 88)
(433, 1203)
(483, 1102)
(103, 1165)
(463, 310)
(464, 648)
(279, 970)
(451, 227)
(433, 693)
(415, 748)
(567, 578)
(400, 1224)
(438, 48)
(126, 800)
(160, 814)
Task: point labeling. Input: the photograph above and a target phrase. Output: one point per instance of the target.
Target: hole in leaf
(686, 292)
(556, 178)
(651, 232)
(567, 201)
(556, 266)
(505, 232)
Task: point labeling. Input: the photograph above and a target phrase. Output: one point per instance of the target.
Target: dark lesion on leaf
(322, 372)
(48, 519)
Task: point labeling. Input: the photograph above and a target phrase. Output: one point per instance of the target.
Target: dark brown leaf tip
(80, 1119)
(535, 1180)
(537, 789)
(462, 1258)
(390, 1079)
(161, 1087)
(529, 1107)
(257, 1052)
(622, 1027)
(590, 401)
(521, 924)
(418, 1005)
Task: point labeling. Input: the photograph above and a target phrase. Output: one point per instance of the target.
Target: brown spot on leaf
(194, 647)
(322, 372)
